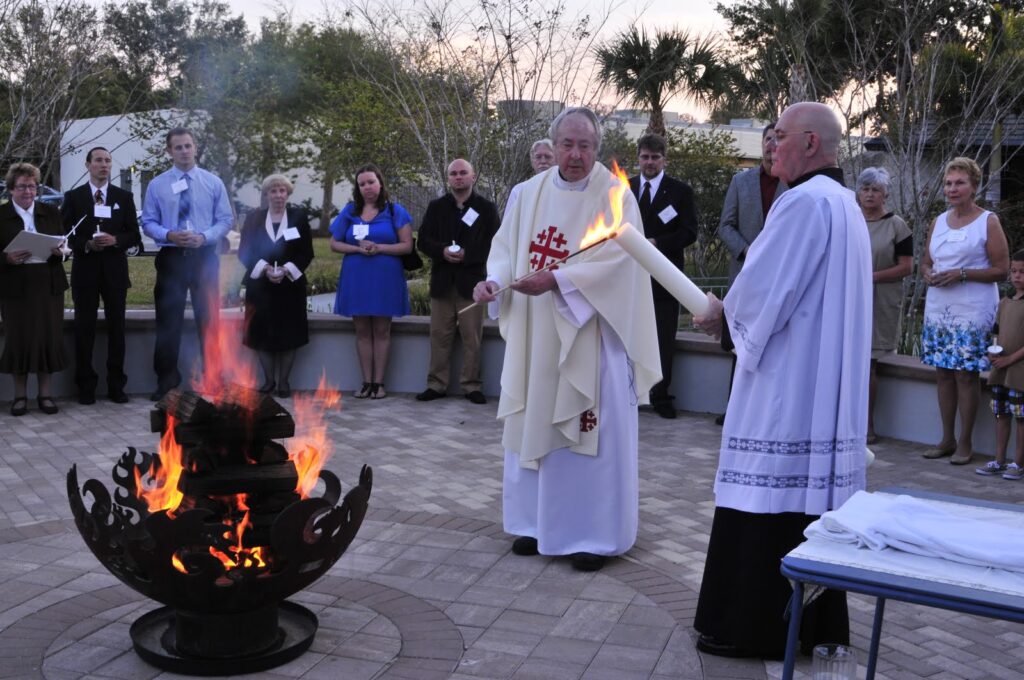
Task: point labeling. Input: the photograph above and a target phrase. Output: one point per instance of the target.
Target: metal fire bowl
(156, 638)
(137, 546)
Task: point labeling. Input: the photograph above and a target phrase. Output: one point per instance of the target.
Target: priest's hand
(711, 321)
(538, 284)
(484, 291)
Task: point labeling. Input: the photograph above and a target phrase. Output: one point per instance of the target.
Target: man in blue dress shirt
(187, 212)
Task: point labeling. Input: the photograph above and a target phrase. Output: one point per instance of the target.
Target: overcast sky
(697, 16)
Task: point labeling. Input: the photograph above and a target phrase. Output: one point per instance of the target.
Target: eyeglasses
(26, 187)
(780, 135)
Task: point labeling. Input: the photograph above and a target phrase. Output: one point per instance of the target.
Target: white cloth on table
(923, 527)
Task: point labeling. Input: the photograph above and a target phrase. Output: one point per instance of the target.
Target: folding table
(895, 575)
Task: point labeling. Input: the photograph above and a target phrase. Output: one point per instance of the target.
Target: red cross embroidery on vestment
(549, 245)
(588, 421)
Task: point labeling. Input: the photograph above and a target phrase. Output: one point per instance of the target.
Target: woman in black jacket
(31, 292)
(276, 248)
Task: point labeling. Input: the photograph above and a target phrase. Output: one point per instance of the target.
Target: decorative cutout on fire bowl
(219, 528)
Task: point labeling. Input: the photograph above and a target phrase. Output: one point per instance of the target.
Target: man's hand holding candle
(101, 240)
(711, 321)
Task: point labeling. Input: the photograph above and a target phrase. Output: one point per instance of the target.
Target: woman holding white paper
(276, 248)
(31, 293)
(373, 233)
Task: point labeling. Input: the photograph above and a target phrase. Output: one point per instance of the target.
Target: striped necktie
(185, 203)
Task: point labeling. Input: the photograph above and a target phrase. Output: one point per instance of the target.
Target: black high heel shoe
(267, 387)
(377, 391)
(19, 406)
(47, 405)
(364, 391)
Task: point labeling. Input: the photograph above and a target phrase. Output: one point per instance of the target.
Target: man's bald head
(807, 139)
(461, 178)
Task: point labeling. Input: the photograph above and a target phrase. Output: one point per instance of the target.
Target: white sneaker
(991, 469)
(1014, 472)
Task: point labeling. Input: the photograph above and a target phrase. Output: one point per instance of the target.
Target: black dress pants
(182, 272)
(86, 304)
(666, 320)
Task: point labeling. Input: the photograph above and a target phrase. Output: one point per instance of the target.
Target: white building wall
(132, 152)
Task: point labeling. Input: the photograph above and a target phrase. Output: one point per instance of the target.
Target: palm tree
(650, 72)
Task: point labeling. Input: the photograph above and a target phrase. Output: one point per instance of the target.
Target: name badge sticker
(359, 231)
(102, 211)
(291, 233)
(667, 215)
(179, 186)
(470, 217)
(956, 236)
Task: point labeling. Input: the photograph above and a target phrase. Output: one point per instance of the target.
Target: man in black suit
(100, 270)
(670, 223)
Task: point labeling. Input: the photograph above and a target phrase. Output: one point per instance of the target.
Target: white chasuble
(800, 317)
(578, 360)
(551, 373)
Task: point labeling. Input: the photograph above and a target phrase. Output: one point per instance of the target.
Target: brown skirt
(33, 328)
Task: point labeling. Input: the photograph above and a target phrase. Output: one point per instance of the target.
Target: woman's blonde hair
(967, 166)
(270, 180)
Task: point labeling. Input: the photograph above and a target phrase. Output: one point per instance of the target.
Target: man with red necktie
(100, 270)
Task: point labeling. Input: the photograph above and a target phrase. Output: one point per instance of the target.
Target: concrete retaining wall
(907, 406)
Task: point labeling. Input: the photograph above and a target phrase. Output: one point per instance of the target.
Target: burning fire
(241, 556)
(600, 231)
(223, 366)
(311, 447)
(162, 492)
(223, 361)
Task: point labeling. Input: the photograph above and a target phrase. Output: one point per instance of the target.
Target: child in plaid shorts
(1006, 379)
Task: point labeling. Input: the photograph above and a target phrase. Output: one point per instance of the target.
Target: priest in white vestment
(793, 442)
(580, 355)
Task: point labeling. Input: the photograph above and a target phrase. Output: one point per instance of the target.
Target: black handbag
(411, 261)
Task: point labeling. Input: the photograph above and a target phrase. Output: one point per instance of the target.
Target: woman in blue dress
(372, 233)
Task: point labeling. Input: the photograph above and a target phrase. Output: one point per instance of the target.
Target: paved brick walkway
(429, 588)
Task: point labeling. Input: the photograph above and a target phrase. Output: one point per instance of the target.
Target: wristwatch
(963, 275)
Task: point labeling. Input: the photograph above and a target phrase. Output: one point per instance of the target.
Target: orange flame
(240, 555)
(311, 447)
(600, 231)
(162, 492)
(223, 363)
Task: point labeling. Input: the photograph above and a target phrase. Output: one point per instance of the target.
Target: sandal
(961, 458)
(364, 391)
(377, 391)
(19, 406)
(871, 439)
(937, 452)
(47, 405)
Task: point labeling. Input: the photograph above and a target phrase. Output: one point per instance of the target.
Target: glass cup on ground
(833, 662)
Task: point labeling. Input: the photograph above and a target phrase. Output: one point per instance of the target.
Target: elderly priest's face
(576, 147)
